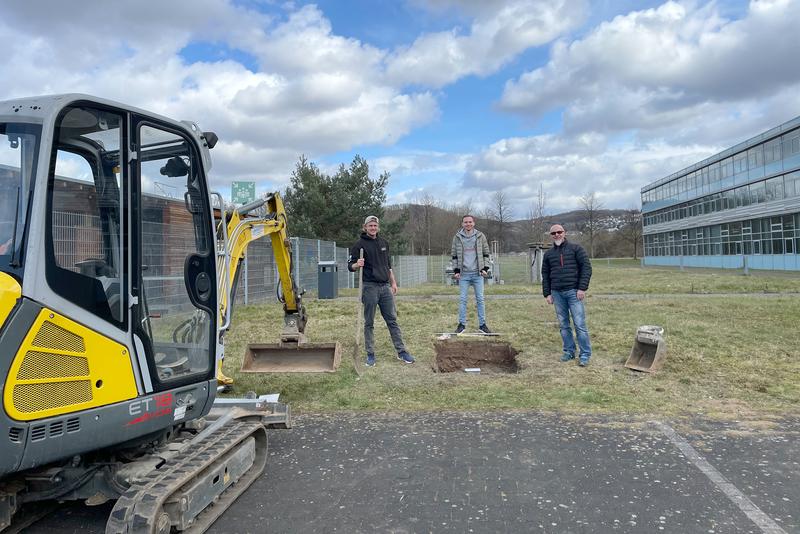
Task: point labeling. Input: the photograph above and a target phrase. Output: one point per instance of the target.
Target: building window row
(767, 235)
(777, 155)
(776, 188)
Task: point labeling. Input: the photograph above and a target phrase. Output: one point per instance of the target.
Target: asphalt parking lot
(512, 472)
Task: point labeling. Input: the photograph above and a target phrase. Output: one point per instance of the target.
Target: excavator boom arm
(243, 230)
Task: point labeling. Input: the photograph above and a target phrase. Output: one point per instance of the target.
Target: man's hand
(581, 294)
(359, 263)
(394, 288)
(549, 299)
(485, 272)
(457, 276)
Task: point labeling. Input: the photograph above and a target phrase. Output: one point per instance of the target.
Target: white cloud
(417, 163)
(641, 95)
(675, 65)
(500, 31)
(568, 168)
(315, 92)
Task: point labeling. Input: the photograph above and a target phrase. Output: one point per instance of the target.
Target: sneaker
(460, 328)
(370, 359)
(567, 357)
(583, 362)
(485, 329)
(406, 357)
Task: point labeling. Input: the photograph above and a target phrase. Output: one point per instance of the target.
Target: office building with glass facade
(739, 207)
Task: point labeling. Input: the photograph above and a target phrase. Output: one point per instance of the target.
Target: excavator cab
(108, 271)
(116, 290)
(109, 316)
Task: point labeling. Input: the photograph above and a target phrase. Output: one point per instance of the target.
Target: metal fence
(258, 281)
(512, 268)
(79, 236)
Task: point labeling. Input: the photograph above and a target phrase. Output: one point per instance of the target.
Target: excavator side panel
(64, 367)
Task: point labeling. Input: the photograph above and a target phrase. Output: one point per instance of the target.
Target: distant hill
(436, 235)
(573, 220)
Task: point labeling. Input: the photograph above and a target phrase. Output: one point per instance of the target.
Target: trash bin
(327, 283)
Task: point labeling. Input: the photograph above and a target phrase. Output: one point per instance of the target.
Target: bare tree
(501, 212)
(424, 223)
(488, 223)
(537, 212)
(445, 225)
(630, 229)
(591, 221)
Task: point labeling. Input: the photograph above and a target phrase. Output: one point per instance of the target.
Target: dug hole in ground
(489, 356)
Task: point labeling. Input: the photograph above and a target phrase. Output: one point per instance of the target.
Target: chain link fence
(258, 281)
(512, 268)
(78, 238)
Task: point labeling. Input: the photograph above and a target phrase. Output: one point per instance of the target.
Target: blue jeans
(380, 295)
(566, 304)
(476, 281)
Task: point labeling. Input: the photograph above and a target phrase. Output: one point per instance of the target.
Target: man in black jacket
(379, 288)
(566, 271)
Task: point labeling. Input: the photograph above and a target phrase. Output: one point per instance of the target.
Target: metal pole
(246, 276)
(296, 261)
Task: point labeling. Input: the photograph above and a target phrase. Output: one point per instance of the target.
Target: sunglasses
(557, 233)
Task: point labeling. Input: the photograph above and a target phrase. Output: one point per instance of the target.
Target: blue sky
(458, 100)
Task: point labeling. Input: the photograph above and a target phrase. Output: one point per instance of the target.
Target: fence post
(296, 255)
(246, 276)
(744, 265)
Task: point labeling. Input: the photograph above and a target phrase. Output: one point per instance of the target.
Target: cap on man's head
(370, 219)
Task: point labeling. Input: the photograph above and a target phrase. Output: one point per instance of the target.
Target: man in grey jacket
(470, 256)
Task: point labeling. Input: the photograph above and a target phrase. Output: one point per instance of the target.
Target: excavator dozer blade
(649, 350)
(291, 358)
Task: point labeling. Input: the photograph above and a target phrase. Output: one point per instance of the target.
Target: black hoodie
(377, 260)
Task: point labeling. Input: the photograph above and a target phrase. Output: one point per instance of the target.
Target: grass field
(731, 349)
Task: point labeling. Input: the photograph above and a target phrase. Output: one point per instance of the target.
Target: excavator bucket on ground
(291, 358)
(649, 350)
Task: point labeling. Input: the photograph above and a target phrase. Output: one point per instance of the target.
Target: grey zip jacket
(481, 245)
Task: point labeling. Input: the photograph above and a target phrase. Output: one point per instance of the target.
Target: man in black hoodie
(379, 288)
(566, 271)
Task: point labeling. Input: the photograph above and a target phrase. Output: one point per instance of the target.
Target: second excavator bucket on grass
(291, 358)
(649, 350)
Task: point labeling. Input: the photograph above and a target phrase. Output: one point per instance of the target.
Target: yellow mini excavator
(115, 292)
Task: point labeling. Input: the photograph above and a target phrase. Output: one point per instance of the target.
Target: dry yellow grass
(728, 356)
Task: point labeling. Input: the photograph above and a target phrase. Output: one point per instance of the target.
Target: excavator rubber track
(158, 505)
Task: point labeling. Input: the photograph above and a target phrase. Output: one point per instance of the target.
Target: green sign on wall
(243, 192)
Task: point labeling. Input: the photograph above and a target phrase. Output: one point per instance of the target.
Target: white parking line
(762, 520)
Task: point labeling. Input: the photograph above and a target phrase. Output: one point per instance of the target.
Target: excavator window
(177, 256)
(85, 246)
(19, 146)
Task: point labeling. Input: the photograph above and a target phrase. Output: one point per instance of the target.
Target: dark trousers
(380, 295)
